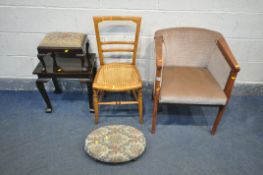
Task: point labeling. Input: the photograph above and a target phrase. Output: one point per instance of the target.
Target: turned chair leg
(96, 105)
(218, 119)
(140, 105)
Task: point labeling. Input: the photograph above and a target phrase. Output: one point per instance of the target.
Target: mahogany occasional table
(64, 55)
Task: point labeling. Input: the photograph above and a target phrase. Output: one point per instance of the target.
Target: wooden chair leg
(153, 92)
(140, 105)
(218, 119)
(155, 109)
(96, 105)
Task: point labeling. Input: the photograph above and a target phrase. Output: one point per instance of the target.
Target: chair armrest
(159, 52)
(159, 65)
(228, 55)
(235, 68)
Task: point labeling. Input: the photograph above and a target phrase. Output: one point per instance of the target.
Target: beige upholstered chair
(193, 66)
(117, 77)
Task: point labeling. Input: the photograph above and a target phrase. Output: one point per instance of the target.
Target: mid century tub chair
(193, 66)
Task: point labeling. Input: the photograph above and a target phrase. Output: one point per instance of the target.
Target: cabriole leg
(90, 96)
(58, 89)
(42, 90)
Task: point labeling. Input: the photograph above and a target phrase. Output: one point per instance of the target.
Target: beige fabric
(188, 46)
(187, 85)
(117, 77)
(219, 67)
(63, 40)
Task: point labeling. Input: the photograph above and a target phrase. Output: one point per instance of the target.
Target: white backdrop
(24, 22)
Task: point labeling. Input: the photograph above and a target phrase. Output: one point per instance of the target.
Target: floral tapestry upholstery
(115, 143)
(63, 40)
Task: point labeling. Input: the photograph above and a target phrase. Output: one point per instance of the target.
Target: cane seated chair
(193, 66)
(117, 77)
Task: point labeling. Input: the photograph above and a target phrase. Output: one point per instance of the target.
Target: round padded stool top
(115, 143)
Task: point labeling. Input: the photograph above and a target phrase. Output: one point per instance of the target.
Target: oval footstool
(115, 143)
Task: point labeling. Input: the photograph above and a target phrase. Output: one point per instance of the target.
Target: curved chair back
(187, 46)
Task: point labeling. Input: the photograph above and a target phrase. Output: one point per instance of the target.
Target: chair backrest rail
(117, 42)
(117, 50)
(99, 19)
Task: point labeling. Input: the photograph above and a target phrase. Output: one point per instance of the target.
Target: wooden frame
(137, 92)
(229, 57)
(50, 73)
(235, 68)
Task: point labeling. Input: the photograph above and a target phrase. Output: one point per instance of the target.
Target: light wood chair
(193, 66)
(117, 77)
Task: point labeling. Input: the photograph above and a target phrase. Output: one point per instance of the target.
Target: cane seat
(117, 77)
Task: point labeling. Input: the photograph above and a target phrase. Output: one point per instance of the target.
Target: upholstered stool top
(63, 40)
(115, 143)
